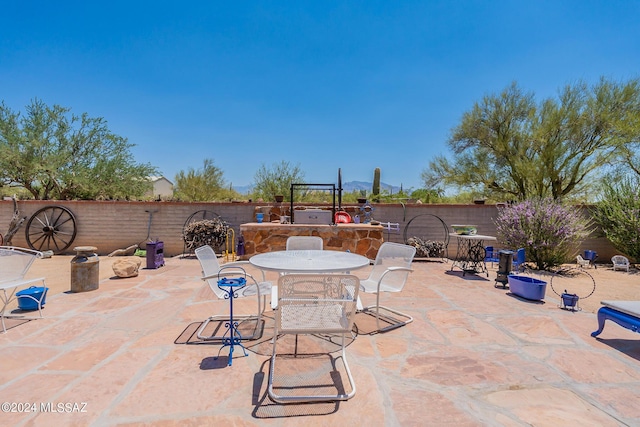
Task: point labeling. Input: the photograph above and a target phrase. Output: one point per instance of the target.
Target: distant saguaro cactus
(376, 185)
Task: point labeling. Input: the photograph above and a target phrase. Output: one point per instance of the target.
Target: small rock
(47, 254)
(127, 267)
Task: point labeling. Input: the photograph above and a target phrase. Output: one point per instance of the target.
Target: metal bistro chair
(299, 243)
(591, 256)
(390, 271)
(519, 260)
(212, 272)
(491, 255)
(312, 305)
(14, 265)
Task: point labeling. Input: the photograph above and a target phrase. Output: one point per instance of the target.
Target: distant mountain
(347, 187)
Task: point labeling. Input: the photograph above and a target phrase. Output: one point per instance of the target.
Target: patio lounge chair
(390, 271)
(314, 306)
(582, 263)
(14, 265)
(212, 272)
(620, 262)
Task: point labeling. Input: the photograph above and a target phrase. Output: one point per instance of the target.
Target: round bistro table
(309, 261)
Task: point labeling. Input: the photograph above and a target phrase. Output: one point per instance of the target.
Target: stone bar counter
(363, 239)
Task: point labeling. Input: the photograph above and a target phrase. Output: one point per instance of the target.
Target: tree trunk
(15, 223)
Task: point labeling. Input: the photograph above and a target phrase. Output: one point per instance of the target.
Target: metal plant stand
(232, 336)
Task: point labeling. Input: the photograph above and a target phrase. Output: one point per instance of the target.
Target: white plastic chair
(390, 271)
(311, 304)
(14, 265)
(620, 262)
(212, 272)
(582, 263)
(299, 243)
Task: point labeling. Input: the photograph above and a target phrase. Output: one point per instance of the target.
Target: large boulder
(127, 266)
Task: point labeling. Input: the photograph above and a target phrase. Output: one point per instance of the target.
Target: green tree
(618, 214)
(202, 185)
(277, 180)
(509, 147)
(54, 154)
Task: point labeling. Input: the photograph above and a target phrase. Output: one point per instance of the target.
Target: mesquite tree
(510, 147)
(54, 154)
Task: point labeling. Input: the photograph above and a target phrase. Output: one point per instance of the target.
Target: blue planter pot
(26, 297)
(569, 300)
(527, 287)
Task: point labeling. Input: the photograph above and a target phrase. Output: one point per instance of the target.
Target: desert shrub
(549, 231)
(212, 232)
(618, 214)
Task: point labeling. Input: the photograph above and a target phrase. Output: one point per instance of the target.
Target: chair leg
(6, 299)
(394, 323)
(310, 398)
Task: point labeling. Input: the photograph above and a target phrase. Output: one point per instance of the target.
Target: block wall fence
(111, 225)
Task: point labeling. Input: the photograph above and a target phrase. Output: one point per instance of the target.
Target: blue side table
(232, 336)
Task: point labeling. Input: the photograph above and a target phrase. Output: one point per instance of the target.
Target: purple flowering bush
(549, 231)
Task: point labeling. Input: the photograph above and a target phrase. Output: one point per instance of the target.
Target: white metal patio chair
(308, 305)
(14, 265)
(390, 271)
(299, 243)
(212, 272)
(620, 262)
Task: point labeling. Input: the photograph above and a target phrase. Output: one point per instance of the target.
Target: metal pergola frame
(324, 187)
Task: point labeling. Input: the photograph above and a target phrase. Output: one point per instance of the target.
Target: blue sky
(324, 84)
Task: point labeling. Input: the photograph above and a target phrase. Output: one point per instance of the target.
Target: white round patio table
(309, 261)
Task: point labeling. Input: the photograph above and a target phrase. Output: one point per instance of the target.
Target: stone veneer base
(363, 239)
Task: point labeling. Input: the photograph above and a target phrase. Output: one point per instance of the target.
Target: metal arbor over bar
(325, 187)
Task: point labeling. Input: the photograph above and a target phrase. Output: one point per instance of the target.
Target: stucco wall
(111, 225)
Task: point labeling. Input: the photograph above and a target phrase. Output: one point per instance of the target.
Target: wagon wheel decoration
(52, 228)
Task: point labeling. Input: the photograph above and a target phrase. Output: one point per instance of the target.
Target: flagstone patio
(475, 355)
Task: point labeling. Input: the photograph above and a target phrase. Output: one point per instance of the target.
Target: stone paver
(474, 356)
